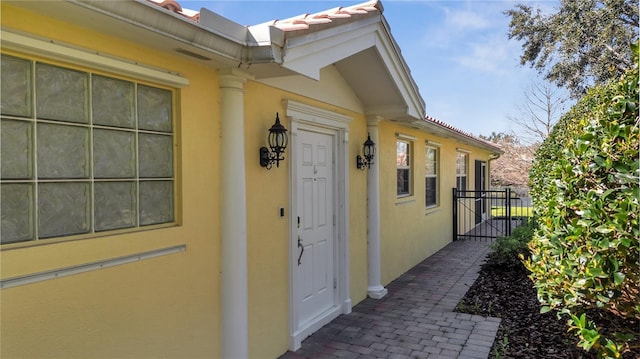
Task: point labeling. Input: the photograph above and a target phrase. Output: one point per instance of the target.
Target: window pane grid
(68, 195)
(431, 176)
(403, 165)
(461, 171)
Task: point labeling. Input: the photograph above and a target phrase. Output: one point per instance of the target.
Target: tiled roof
(306, 21)
(303, 22)
(174, 6)
(457, 130)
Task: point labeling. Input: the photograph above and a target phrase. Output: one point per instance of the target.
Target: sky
(466, 68)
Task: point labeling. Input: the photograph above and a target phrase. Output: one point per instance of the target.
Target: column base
(377, 292)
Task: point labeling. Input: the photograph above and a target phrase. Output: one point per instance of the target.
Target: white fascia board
(400, 72)
(153, 18)
(447, 133)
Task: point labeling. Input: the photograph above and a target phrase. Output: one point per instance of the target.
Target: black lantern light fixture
(277, 144)
(369, 151)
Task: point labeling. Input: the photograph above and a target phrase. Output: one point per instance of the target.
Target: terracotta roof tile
(457, 130)
(303, 22)
(448, 126)
(174, 6)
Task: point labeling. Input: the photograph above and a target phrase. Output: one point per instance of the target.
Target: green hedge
(584, 185)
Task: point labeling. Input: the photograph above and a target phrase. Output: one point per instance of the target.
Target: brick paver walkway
(415, 320)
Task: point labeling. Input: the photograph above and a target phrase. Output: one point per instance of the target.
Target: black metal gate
(487, 214)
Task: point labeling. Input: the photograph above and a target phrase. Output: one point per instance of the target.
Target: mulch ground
(523, 332)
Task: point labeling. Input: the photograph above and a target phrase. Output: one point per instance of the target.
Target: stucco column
(375, 289)
(233, 218)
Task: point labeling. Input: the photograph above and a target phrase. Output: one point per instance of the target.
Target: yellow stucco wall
(409, 231)
(162, 307)
(170, 306)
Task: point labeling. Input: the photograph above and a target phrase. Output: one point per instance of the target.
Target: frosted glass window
(16, 142)
(63, 151)
(114, 154)
(61, 94)
(92, 154)
(63, 209)
(156, 202)
(154, 109)
(156, 155)
(17, 212)
(112, 102)
(115, 204)
(15, 86)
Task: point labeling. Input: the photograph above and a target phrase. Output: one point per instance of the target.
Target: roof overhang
(361, 48)
(147, 24)
(443, 130)
(365, 54)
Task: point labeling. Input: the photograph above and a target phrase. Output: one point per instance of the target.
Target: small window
(403, 162)
(461, 171)
(431, 176)
(82, 153)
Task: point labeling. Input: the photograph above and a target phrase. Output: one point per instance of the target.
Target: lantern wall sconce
(369, 152)
(277, 144)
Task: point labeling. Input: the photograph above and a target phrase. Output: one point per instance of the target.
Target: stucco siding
(136, 309)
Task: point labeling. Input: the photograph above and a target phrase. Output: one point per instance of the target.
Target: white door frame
(305, 117)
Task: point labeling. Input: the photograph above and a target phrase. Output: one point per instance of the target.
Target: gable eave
(363, 44)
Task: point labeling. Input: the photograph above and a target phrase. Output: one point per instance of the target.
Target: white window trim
(405, 137)
(74, 55)
(408, 140)
(466, 167)
(431, 145)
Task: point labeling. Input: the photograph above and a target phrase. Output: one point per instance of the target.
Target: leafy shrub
(508, 252)
(584, 183)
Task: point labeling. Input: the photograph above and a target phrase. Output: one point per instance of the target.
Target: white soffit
(367, 57)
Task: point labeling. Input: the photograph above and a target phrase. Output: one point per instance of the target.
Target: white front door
(314, 267)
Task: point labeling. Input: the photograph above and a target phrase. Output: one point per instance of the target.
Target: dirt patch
(523, 332)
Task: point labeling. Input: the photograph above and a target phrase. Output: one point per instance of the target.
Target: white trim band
(402, 136)
(82, 268)
(40, 47)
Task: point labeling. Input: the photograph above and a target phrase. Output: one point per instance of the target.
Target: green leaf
(604, 230)
(618, 278)
(599, 161)
(625, 241)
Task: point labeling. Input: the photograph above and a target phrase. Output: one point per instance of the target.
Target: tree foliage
(585, 42)
(512, 167)
(585, 186)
